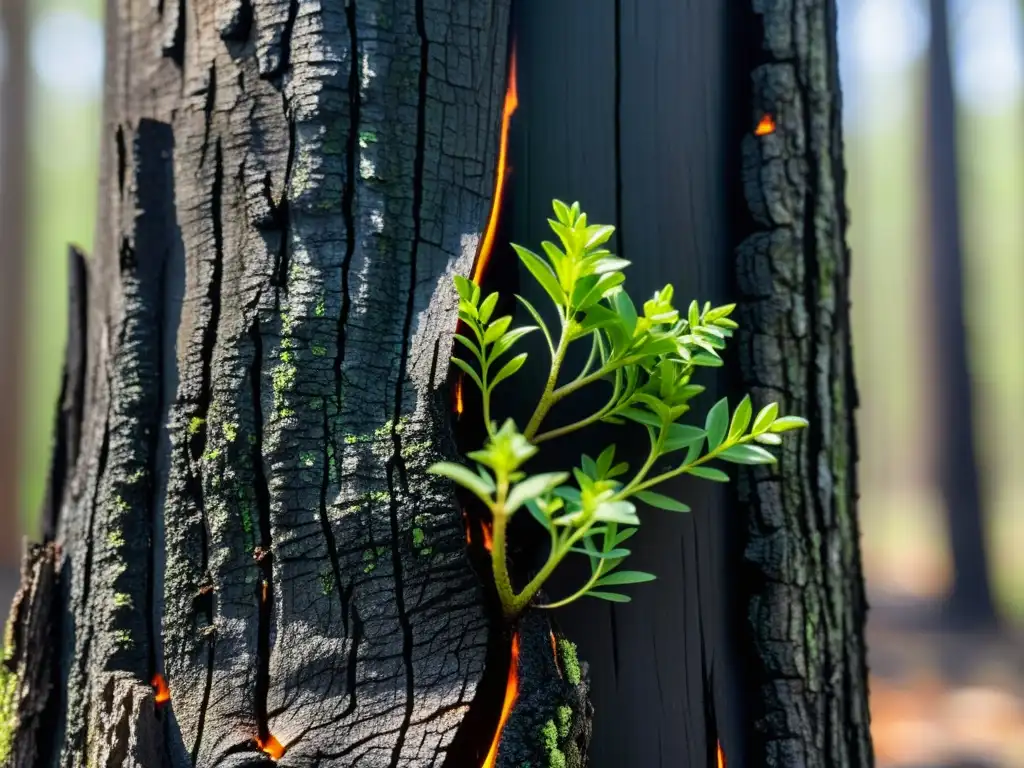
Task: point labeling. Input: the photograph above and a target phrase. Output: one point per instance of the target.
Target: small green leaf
(610, 264)
(593, 552)
(538, 515)
(643, 417)
(693, 452)
(598, 316)
(747, 454)
(741, 418)
(765, 418)
(786, 423)
(463, 476)
(554, 253)
(619, 469)
(562, 212)
(542, 274)
(598, 235)
(502, 345)
(507, 370)
(694, 315)
(611, 597)
(601, 288)
(532, 488)
(655, 404)
(588, 466)
(540, 322)
(624, 534)
(617, 512)
(716, 423)
(681, 436)
(488, 307)
(661, 502)
(767, 438)
(623, 305)
(706, 360)
(620, 578)
(469, 345)
(717, 313)
(468, 370)
(709, 473)
(604, 460)
(464, 288)
(497, 329)
(568, 493)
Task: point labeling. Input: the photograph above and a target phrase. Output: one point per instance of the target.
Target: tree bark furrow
(71, 403)
(287, 189)
(35, 618)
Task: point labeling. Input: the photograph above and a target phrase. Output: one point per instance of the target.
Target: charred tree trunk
(239, 504)
(287, 190)
(803, 584)
(969, 603)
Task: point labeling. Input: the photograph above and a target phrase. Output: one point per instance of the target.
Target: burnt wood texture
(286, 190)
(802, 585)
(238, 501)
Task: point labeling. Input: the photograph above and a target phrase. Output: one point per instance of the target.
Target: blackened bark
(624, 107)
(957, 475)
(239, 501)
(803, 585)
(68, 422)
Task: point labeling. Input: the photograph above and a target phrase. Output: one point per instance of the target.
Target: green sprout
(648, 358)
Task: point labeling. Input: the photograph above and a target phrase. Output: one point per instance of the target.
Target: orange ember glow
(721, 756)
(511, 692)
(766, 126)
(554, 653)
(271, 746)
(484, 256)
(486, 528)
(163, 693)
(511, 103)
(458, 396)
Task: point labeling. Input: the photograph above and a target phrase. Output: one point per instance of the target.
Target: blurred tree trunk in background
(969, 603)
(13, 226)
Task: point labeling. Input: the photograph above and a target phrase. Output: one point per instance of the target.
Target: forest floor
(942, 699)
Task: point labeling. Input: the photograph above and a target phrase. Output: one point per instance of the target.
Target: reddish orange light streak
(487, 246)
(511, 103)
(162, 693)
(271, 746)
(486, 528)
(554, 653)
(766, 126)
(721, 756)
(458, 395)
(511, 692)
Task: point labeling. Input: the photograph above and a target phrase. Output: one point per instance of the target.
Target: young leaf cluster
(645, 358)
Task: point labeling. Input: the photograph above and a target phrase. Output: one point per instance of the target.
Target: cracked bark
(238, 496)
